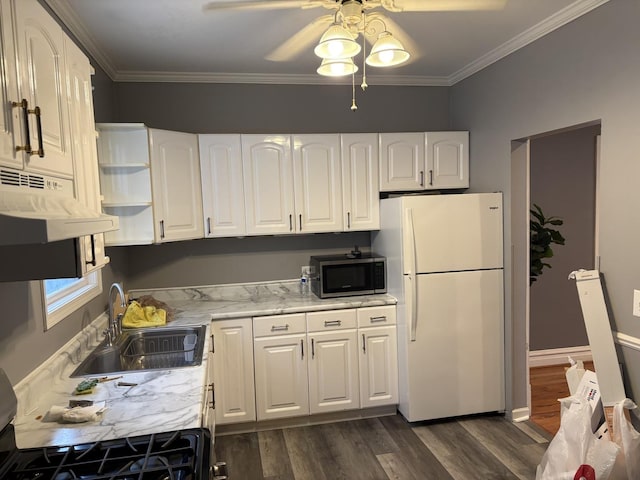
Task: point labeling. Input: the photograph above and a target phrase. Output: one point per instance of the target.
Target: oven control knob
(219, 471)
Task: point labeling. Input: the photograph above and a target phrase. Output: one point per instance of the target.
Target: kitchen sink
(146, 349)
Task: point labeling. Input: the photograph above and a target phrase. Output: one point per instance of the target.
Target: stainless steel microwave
(341, 275)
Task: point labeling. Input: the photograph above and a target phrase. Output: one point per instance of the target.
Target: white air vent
(18, 179)
(9, 177)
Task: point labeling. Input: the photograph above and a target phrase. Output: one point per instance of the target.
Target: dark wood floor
(479, 447)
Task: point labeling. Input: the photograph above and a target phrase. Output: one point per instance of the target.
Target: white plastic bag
(628, 439)
(575, 452)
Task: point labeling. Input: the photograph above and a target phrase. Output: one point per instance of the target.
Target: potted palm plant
(542, 235)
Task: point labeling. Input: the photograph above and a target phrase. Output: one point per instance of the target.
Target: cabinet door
(333, 371)
(378, 366)
(11, 117)
(268, 184)
(401, 161)
(84, 150)
(281, 376)
(222, 189)
(317, 186)
(360, 184)
(447, 157)
(233, 370)
(175, 177)
(40, 43)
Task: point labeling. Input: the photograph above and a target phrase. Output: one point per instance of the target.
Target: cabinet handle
(332, 323)
(348, 219)
(212, 389)
(208, 225)
(300, 217)
(93, 253)
(161, 228)
(421, 178)
(364, 344)
(213, 345)
(25, 118)
(430, 177)
(279, 328)
(290, 223)
(313, 348)
(40, 151)
(378, 319)
(302, 348)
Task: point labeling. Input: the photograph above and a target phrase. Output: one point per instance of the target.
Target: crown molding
(305, 79)
(560, 18)
(66, 14)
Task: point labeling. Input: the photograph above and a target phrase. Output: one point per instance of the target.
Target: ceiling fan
(356, 16)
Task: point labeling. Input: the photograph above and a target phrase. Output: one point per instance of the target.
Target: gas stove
(176, 455)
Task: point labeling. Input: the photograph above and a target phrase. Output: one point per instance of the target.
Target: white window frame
(63, 303)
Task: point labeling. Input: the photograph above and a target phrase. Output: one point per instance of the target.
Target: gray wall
(563, 174)
(232, 260)
(587, 70)
(222, 108)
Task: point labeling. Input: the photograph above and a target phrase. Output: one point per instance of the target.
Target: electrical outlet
(636, 303)
(306, 270)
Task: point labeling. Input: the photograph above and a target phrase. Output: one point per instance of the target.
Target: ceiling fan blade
(442, 5)
(260, 5)
(301, 40)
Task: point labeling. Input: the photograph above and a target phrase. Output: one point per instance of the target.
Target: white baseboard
(520, 414)
(627, 340)
(558, 356)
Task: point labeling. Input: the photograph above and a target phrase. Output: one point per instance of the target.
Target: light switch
(636, 303)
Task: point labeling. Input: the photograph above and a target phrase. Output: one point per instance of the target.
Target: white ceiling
(177, 40)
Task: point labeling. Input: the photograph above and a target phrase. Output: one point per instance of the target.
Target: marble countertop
(253, 299)
(162, 400)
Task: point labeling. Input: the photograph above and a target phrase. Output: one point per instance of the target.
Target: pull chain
(364, 56)
(354, 107)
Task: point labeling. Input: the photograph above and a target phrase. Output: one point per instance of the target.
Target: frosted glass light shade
(337, 42)
(337, 67)
(387, 52)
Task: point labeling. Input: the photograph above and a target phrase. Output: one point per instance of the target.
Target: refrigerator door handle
(411, 253)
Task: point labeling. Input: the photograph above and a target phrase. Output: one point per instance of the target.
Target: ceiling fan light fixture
(337, 43)
(387, 52)
(338, 67)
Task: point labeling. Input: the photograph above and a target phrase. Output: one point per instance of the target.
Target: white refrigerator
(445, 266)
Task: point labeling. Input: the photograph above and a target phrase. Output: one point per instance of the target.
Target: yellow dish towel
(137, 316)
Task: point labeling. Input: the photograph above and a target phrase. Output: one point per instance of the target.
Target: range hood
(37, 209)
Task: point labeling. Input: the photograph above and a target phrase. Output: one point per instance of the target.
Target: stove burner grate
(168, 456)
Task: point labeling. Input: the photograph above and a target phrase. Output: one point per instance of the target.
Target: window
(63, 296)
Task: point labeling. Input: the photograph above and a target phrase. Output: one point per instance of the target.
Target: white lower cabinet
(233, 370)
(333, 362)
(280, 366)
(378, 356)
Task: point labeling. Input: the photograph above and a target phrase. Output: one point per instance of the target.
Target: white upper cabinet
(401, 161)
(12, 117)
(424, 161)
(175, 176)
(317, 186)
(222, 185)
(42, 64)
(447, 157)
(83, 148)
(360, 185)
(150, 179)
(268, 184)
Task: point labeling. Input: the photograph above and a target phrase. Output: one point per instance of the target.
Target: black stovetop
(178, 455)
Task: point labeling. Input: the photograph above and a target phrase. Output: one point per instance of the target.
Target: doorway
(557, 171)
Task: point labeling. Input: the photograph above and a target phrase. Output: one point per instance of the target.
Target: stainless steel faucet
(115, 321)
